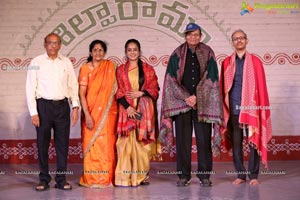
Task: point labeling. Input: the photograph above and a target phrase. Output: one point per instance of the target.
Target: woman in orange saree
(136, 94)
(97, 86)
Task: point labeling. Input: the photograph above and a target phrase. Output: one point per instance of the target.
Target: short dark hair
(238, 31)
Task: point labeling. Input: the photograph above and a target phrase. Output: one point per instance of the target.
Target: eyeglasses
(238, 39)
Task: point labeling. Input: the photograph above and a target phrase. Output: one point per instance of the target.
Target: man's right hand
(35, 120)
(191, 101)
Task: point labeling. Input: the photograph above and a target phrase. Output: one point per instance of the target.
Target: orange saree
(98, 144)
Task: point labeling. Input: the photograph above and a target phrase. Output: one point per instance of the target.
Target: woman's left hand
(131, 112)
(134, 94)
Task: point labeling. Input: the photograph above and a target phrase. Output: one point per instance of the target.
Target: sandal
(65, 186)
(183, 182)
(205, 183)
(145, 181)
(42, 186)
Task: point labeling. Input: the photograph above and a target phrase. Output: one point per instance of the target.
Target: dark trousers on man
(237, 149)
(184, 124)
(53, 115)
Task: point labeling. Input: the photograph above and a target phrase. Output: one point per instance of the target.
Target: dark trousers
(184, 124)
(237, 149)
(56, 115)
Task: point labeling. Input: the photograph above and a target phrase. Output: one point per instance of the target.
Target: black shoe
(65, 186)
(205, 183)
(183, 182)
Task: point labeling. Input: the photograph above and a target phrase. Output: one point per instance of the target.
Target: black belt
(54, 101)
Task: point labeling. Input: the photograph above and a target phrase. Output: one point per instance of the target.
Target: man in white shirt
(48, 90)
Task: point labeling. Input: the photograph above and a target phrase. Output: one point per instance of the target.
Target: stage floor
(281, 181)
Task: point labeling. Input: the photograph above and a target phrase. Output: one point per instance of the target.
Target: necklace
(93, 65)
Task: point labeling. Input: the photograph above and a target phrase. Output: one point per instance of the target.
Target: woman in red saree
(136, 94)
(97, 87)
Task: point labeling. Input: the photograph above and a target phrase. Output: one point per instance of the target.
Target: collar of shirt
(191, 50)
(237, 57)
(59, 56)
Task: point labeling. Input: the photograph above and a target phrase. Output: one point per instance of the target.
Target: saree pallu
(98, 144)
(136, 137)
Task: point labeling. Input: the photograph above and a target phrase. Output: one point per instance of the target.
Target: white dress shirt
(53, 80)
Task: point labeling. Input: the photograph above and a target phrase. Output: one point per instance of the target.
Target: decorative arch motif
(267, 59)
